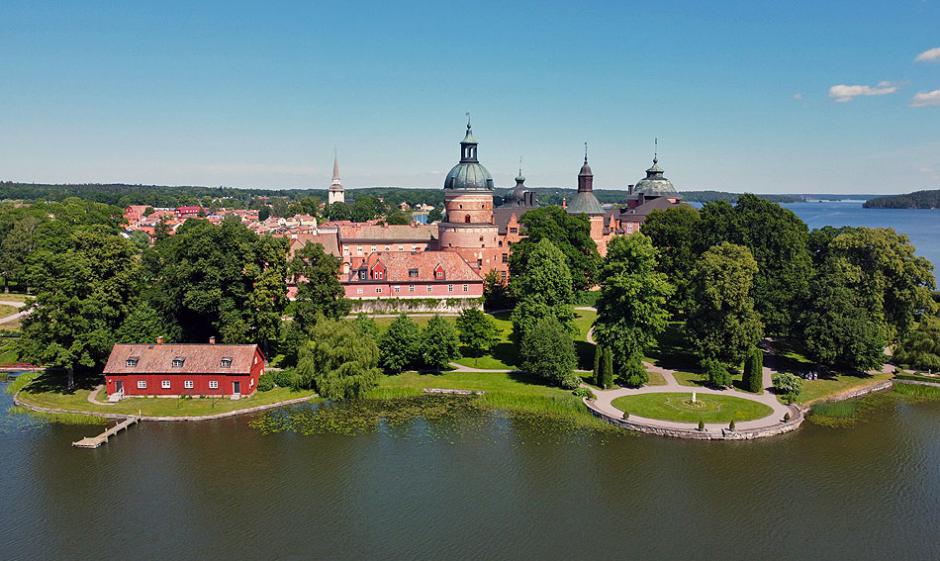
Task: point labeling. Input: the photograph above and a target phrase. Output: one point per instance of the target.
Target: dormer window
(131, 361)
(363, 275)
(178, 362)
(412, 273)
(226, 362)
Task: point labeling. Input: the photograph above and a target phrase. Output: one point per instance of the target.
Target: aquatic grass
(917, 392)
(21, 382)
(59, 418)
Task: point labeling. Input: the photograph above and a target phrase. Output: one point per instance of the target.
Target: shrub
(786, 417)
(266, 382)
(716, 373)
(626, 415)
(701, 425)
(607, 368)
(634, 373)
(547, 351)
(283, 378)
(731, 425)
(583, 393)
(788, 386)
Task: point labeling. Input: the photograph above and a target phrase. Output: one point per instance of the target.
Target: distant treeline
(122, 194)
(918, 199)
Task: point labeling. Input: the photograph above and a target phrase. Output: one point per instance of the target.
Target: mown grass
(835, 384)
(13, 297)
(49, 390)
(7, 310)
(514, 392)
(678, 407)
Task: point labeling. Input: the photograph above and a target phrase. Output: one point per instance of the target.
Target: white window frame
(466, 288)
(450, 288)
(188, 384)
(430, 288)
(165, 384)
(411, 288)
(141, 384)
(213, 384)
(378, 290)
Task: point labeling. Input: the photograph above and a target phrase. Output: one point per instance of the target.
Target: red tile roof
(355, 232)
(398, 263)
(197, 359)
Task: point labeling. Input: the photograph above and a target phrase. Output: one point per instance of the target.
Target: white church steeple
(337, 194)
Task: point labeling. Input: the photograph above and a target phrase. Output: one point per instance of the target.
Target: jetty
(96, 441)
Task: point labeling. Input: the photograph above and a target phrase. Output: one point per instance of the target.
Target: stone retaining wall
(796, 419)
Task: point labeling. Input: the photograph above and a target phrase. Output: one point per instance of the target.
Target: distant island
(917, 199)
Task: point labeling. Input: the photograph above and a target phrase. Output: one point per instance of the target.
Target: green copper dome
(469, 174)
(654, 184)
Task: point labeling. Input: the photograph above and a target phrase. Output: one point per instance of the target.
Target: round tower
(468, 201)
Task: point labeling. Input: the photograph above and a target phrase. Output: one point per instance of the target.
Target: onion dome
(469, 174)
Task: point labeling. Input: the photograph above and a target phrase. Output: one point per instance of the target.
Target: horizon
(743, 98)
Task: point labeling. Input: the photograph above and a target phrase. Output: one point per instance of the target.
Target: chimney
(160, 340)
(212, 340)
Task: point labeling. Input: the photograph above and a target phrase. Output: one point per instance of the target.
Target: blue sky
(744, 96)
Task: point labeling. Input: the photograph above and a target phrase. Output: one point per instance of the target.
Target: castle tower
(584, 202)
(337, 193)
(468, 200)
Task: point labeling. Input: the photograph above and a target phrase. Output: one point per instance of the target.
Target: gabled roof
(197, 359)
(399, 263)
(352, 233)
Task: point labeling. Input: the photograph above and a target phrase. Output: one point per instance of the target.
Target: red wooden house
(175, 369)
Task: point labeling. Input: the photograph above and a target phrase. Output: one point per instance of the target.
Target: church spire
(468, 146)
(585, 176)
(336, 193)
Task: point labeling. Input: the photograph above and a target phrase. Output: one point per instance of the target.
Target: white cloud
(926, 99)
(798, 96)
(930, 55)
(843, 93)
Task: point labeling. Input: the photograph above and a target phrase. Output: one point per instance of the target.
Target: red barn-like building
(175, 369)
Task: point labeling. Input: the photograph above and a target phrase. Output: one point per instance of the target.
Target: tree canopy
(337, 362)
(569, 233)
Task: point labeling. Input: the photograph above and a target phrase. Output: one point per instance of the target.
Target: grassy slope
(49, 391)
(514, 392)
(7, 310)
(674, 407)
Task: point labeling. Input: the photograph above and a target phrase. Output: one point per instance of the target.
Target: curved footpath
(770, 425)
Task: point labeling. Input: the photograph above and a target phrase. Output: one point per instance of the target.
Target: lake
(495, 488)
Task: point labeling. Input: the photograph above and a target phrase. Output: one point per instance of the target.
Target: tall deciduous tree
(723, 323)
(400, 345)
(439, 343)
(319, 292)
(220, 280)
(920, 348)
(675, 233)
(543, 289)
(840, 329)
(338, 362)
(569, 233)
(631, 311)
(548, 352)
(478, 333)
(82, 297)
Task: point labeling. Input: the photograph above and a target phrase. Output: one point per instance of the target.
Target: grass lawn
(8, 353)
(12, 325)
(821, 389)
(677, 407)
(7, 310)
(515, 392)
(15, 297)
(49, 391)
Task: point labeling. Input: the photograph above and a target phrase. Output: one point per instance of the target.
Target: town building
(336, 193)
(585, 202)
(176, 369)
(507, 217)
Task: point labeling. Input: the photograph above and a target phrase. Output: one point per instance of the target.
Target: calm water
(497, 489)
(922, 226)
(494, 489)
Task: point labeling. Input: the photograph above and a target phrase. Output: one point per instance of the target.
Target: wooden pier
(96, 441)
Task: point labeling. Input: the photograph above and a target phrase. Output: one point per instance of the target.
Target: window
(226, 362)
(430, 288)
(363, 274)
(481, 238)
(505, 258)
(379, 275)
(397, 289)
(466, 219)
(251, 383)
(411, 288)
(178, 362)
(439, 274)
(358, 291)
(188, 384)
(514, 230)
(378, 291)
(414, 248)
(479, 263)
(131, 361)
(165, 384)
(373, 249)
(386, 248)
(412, 273)
(401, 248)
(359, 250)
(500, 243)
(213, 384)
(466, 288)
(450, 288)
(141, 384)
